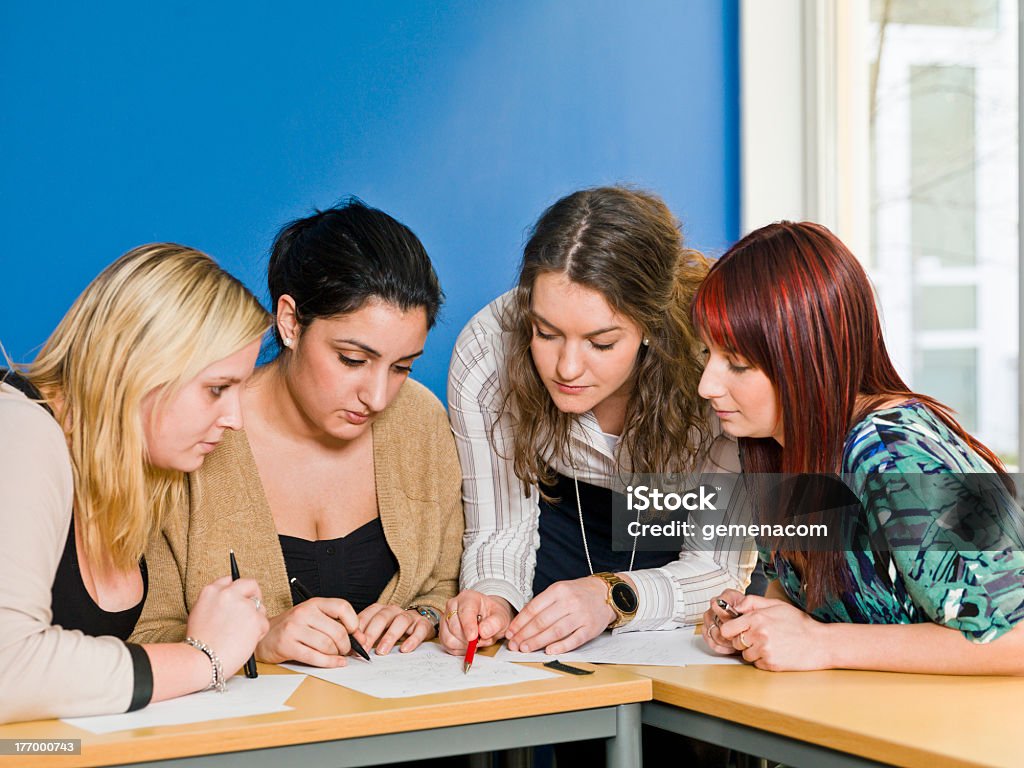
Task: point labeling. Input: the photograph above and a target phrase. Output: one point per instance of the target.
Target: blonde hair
(152, 320)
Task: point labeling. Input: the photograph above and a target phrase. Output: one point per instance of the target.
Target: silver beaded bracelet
(217, 681)
(427, 613)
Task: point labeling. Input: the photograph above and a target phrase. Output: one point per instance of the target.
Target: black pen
(250, 665)
(305, 594)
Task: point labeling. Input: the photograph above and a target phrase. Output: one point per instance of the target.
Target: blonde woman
(136, 385)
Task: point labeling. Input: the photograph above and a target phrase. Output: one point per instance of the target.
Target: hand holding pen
(228, 618)
(304, 594)
(472, 614)
(720, 611)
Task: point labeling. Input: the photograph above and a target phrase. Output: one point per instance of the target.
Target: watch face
(624, 598)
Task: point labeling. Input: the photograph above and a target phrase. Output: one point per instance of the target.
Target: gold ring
(450, 613)
(743, 640)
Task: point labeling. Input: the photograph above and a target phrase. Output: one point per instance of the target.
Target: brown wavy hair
(626, 245)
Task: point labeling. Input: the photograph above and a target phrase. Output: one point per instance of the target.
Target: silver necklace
(583, 531)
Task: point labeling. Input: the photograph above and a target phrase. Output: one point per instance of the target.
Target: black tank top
(73, 607)
(356, 567)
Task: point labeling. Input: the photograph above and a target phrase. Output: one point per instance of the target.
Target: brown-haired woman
(583, 374)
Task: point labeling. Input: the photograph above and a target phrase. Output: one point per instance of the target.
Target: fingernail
(526, 649)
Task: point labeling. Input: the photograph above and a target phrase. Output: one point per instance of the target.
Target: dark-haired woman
(558, 391)
(929, 576)
(346, 477)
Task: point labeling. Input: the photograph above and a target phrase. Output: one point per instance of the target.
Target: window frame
(802, 152)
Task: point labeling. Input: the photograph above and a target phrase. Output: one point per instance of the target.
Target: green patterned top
(912, 557)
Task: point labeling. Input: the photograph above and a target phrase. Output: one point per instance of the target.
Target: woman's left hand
(385, 625)
(777, 636)
(562, 617)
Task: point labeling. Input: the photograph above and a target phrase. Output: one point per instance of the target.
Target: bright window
(895, 123)
(942, 112)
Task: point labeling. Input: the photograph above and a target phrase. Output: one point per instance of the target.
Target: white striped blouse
(501, 537)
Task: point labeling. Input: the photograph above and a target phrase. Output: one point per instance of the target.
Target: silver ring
(257, 602)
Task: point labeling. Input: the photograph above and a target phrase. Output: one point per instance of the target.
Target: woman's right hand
(714, 617)
(471, 615)
(226, 618)
(314, 632)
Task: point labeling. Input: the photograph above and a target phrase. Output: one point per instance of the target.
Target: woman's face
(183, 428)
(743, 397)
(583, 350)
(344, 371)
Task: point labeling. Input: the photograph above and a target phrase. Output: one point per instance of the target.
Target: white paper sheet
(670, 648)
(426, 670)
(244, 697)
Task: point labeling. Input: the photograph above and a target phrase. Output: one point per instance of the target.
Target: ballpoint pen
(728, 608)
(470, 653)
(250, 665)
(305, 594)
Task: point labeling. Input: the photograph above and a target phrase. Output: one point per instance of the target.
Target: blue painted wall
(212, 124)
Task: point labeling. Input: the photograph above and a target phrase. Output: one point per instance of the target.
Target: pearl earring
(647, 342)
(288, 343)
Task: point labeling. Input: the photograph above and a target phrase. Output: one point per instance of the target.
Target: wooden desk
(843, 718)
(333, 726)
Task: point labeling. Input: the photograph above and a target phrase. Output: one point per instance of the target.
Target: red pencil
(470, 652)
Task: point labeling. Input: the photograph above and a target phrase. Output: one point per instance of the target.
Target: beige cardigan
(419, 499)
(45, 670)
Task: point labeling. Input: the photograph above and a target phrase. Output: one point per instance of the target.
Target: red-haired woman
(798, 371)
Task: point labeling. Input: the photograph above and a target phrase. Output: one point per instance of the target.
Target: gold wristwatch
(621, 597)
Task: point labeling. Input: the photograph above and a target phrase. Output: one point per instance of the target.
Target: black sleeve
(143, 690)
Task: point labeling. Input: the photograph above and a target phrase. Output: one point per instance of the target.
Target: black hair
(338, 259)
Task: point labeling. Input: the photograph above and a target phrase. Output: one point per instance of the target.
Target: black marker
(305, 594)
(250, 665)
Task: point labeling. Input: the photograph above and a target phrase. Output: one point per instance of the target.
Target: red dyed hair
(793, 301)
